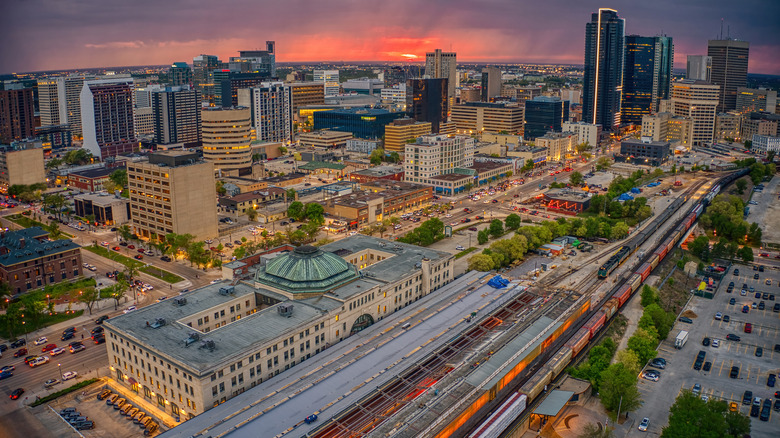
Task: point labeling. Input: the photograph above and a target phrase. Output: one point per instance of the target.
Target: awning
(131, 381)
(553, 404)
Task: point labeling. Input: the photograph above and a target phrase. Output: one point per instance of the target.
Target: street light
(59, 367)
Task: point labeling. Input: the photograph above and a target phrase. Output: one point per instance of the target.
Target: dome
(307, 269)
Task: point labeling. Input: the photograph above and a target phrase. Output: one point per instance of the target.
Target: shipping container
(623, 294)
(654, 260)
(644, 271)
(595, 323)
(579, 341)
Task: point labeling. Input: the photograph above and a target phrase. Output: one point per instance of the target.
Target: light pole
(59, 367)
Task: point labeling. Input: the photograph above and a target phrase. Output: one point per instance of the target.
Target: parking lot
(753, 366)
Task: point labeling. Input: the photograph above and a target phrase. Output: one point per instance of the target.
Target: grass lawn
(45, 321)
(464, 252)
(127, 261)
(68, 390)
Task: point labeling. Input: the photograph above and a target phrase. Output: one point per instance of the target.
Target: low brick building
(385, 173)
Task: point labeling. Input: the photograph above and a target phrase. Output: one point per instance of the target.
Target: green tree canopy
(296, 211)
(690, 416)
(619, 389)
(496, 228)
(513, 221)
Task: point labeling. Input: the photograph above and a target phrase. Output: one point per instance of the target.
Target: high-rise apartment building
(17, 113)
(172, 192)
(604, 59)
(256, 61)
(227, 138)
(306, 93)
(228, 83)
(647, 75)
(698, 101)
(440, 64)
(202, 66)
(491, 83)
(427, 101)
(699, 68)
(330, 79)
(51, 101)
(177, 115)
(756, 100)
(544, 114)
(73, 85)
(107, 117)
(476, 117)
(270, 107)
(401, 131)
(143, 121)
(729, 69)
(180, 74)
(435, 155)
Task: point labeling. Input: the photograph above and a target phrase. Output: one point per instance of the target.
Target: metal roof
(24, 246)
(307, 269)
(553, 404)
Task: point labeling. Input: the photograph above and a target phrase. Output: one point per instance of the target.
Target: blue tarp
(635, 190)
(654, 184)
(625, 197)
(498, 282)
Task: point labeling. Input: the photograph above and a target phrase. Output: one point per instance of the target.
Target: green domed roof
(307, 269)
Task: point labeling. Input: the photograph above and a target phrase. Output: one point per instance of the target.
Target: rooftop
(451, 177)
(380, 171)
(307, 269)
(289, 176)
(30, 244)
(101, 198)
(314, 165)
(567, 195)
(99, 172)
(484, 166)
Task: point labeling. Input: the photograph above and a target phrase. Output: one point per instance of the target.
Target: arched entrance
(361, 323)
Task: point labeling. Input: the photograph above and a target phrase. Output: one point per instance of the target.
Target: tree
(125, 233)
(700, 247)
(661, 320)
(480, 262)
(583, 147)
(119, 177)
(256, 157)
(595, 431)
(394, 157)
(496, 228)
(482, 237)
(251, 214)
(649, 295)
(290, 195)
(643, 343)
(619, 389)
(619, 230)
(603, 163)
(745, 253)
(220, 188)
(748, 144)
(314, 211)
(513, 221)
(376, 156)
(296, 211)
(33, 310)
(53, 228)
(690, 416)
(54, 163)
(576, 178)
(118, 290)
(630, 360)
(282, 150)
(89, 296)
(78, 156)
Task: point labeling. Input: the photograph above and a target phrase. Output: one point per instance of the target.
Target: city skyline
(90, 35)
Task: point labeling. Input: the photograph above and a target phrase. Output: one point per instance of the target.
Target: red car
(116, 248)
(49, 347)
(131, 246)
(20, 352)
(139, 257)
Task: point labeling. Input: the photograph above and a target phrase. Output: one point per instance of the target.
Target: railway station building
(567, 200)
(191, 353)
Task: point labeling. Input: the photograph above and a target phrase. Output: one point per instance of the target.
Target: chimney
(21, 243)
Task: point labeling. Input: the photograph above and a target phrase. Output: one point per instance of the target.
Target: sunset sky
(68, 34)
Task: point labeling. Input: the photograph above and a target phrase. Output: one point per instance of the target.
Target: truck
(681, 339)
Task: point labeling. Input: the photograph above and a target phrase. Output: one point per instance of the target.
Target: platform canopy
(553, 403)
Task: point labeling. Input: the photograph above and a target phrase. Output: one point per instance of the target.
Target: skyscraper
(647, 75)
(271, 110)
(202, 66)
(426, 101)
(331, 80)
(697, 101)
(256, 61)
(543, 114)
(440, 64)
(699, 68)
(603, 81)
(180, 74)
(729, 69)
(17, 113)
(177, 116)
(227, 138)
(51, 101)
(491, 83)
(107, 117)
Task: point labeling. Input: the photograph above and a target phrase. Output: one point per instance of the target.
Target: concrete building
(360, 122)
(143, 121)
(491, 83)
(728, 125)
(378, 200)
(324, 139)
(401, 131)
(271, 111)
(395, 96)
(757, 126)
(29, 260)
(586, 132)
(363, 146)
(680, 131)
(604, 65)
(764, 143)
(470, 94)
(51, 102)
(172, 192)
(440, 64)
(227, 138)
(475, 117)
(536, 154)
(107, 117)
(330, 79)
(17, 113)
(434, 155)
(427, 101)
(655, 126)
(369, 86)
(729, 69)
(384, 173)
(177, 116)
(543, 114)
(109, 210)
(559, 145)
(756, 100)
(243, 202)
(21, 163)
(699, 68)
(645, 151)
(294, 306)
(697, 100)
(305, 94)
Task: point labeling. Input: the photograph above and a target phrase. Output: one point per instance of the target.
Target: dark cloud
(62, 34)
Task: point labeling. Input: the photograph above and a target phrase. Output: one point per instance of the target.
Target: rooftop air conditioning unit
(285, 310)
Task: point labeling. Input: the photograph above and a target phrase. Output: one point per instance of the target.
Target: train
(611, 305)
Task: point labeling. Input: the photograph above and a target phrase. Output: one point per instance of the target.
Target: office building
(399, 74)
(108, 210)
(180, 74)
(369, 86)
(470, 94)
(21, 163)
(271, 111)
(363, 146)
(435, 155)
(91, 180)
(51, 101)
(698, 101)
(427, 101)
(17, 113)
(202, 67)
(645, 151)
(360, 122)
(491, 83)
(586, 132)
(395, 96)
(656, 126)
(475, 117)
(228, 83)
(440, 64)
(29, 260)
(143, 121)
(604, 59)
(306, 93)
(647, 76)
(402, 131)
(728, 125)
(559, 145)
(226, 136)
(756, 125)
(330, 80)
(750, 100)
(699, 68)
(543, 114)
(54, 137)
(729, 69)
(172, 192)
(324, 139)
(262, 62)
(177, 116)
(107, 117)
(680, 131)
(762, 144)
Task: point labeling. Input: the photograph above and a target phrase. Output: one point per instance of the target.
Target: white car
(130, 309)
(715, 343)
(104, 243)
(39, 361)
(40, 341)
(460, 248)
(644, 424)
(215, 281)
(69, 375)
(57, 351)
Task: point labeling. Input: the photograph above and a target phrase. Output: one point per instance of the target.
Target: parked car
(49, 383)
(644, 424)
(686, 320)
(734, 374)
(69, 375)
